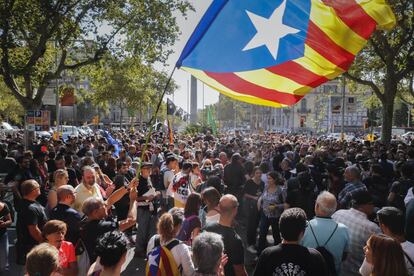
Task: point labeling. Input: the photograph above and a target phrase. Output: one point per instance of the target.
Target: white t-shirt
(168, 178)
(181, 254)
(408, 248)
(212, 219)
(182, 189)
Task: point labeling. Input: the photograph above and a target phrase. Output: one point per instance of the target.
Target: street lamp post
(343, 108)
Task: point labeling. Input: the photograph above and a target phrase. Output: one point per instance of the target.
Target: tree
(230, 110)
(128, 84)
(387, 62)
(10, 108)
(36, 37)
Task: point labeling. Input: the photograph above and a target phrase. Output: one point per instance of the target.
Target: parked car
(87, 129)
(69, 131)
(43, 134)
(7, 129)
(82, 132)
(408, 135)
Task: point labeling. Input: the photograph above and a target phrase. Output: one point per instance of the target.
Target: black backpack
(329, 258)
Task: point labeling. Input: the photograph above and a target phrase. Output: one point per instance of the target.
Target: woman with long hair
(271, 204)
(106, 186)
(60, 178)
(211, 211)
(166, 237)
(195, 176)
(384, 256)
(191, 224)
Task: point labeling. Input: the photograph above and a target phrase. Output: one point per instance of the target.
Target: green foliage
(387, 62)
(372, 102)
(10, 108)
(40, 39)
(193, 129)
(229, 110)
(127, 83)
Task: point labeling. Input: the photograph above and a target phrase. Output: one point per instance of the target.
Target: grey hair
(207, 250)
(354, 171)
(87, 168)
(91, 204)
(323, 200)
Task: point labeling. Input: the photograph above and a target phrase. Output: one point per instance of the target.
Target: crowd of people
(200, 205)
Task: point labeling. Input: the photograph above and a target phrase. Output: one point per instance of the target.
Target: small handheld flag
(210, 121)
(274, 52)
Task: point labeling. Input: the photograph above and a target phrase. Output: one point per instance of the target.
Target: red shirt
(66, 254)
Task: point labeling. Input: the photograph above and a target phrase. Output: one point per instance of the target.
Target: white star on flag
(152, 259)
(269, 30)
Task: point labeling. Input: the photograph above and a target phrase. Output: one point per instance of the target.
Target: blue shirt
(347, 193)
(323, 228)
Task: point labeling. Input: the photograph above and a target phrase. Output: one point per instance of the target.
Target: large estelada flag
(273, 52)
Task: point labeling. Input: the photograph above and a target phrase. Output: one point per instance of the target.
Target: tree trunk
(388, 110)
(387, 116)
(31, 105)
(120, 116)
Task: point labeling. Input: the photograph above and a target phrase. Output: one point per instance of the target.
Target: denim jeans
(252, 217)
(4, 253)
(265, 222)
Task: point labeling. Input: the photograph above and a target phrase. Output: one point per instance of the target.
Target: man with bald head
(233, 245)
(64, 212)
(324, 231)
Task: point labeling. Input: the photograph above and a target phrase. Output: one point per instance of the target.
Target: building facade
(320, 111)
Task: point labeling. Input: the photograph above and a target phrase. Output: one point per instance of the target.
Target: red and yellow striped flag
(274, 52)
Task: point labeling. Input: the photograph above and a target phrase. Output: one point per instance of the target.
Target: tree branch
(46, 34)
(378, 51)
(100, 52)
(371, 84)
(408, 68)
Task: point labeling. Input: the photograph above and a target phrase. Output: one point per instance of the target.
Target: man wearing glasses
(30, 220)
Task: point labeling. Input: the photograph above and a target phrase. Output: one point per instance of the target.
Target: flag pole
(154, 116)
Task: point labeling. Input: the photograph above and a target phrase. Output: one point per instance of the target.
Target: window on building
(351, 100)
(303, 104)
(330, 89)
